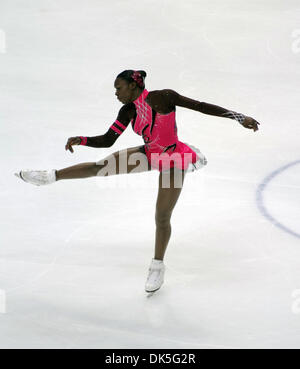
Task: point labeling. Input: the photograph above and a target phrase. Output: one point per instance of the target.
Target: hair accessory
(137, 77)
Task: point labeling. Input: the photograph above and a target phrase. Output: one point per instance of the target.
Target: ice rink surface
(74, 256)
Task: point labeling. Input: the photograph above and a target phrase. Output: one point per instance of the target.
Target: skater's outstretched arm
(126, 113)
(178, 100)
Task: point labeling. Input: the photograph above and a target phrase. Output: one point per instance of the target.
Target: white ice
(74, 255)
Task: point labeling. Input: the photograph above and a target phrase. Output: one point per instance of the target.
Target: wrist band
(83, 140)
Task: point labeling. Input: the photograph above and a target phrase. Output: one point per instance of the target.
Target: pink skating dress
(162, 147)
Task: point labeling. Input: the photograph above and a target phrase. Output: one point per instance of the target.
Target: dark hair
(137, 76)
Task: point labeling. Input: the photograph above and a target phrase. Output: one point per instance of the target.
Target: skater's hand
(72, 141)
(250, 123)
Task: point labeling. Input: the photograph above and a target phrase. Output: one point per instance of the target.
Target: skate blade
(151, 293)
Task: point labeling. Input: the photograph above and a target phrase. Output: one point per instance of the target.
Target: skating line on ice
(260, 198)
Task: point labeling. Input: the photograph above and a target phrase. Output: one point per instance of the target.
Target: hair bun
(138, 76)
(143, 73)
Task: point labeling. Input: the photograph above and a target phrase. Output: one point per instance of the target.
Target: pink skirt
(184, 157)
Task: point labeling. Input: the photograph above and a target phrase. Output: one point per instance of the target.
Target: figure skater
(152, 115)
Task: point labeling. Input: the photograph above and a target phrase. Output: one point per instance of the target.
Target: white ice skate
(37, 177)
(156, 276)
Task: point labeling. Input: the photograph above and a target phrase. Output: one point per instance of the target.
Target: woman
(152, 115)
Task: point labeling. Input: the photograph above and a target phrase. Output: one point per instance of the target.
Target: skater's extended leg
(83, 170)
(130, 160)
